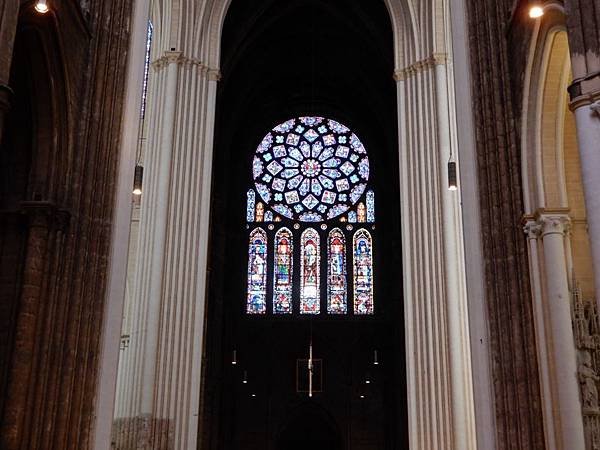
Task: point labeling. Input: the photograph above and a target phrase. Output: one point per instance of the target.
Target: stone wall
(72, 65)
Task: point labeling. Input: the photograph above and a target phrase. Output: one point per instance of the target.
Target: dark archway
(283, 59)
(309, 428)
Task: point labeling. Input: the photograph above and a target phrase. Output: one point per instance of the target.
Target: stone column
(533, 231)
(163, 375)
(440, 391)
(9, 12)
(562, 344)
(583, 29)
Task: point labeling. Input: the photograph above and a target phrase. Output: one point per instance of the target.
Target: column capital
(553, 222)
(531, 227)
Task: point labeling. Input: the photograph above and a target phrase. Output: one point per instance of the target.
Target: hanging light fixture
(41, 6)
(245, 380)
(375, 359)
(452, 179)
(234, 358)
(138, 177)
(368, 378)
(536, 11)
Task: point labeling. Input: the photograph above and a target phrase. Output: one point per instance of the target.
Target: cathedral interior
(299, 224)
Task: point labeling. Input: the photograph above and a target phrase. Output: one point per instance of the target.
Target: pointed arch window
(256, 302)
(363, 272)
(310, 273)
(336, 272)
(283, 272)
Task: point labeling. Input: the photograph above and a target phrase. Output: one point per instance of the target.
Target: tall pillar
(436, 316)
(561, 343)
(161, 386)
(583, 30)
(9, 12)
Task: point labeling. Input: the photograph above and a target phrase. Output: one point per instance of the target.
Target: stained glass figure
(310, 169)
(370, 207)
(361, 212)
(256, 302)
(260, 212)
(283, 272)
(336, 273)
(250, 203)
(310, 273)
(268, 216)
(363, 272)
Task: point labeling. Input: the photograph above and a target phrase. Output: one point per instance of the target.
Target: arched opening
(279, 61)
(310, 428)
(562, 281)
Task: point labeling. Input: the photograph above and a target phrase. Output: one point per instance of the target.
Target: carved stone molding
(175, 57)
(532, 229)
(554, 224)
(435, 59)
(584, 91)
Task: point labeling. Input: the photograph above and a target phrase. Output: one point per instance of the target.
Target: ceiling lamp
(41, 6)
(536, 11)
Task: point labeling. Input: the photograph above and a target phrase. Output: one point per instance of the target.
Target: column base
(143, 432)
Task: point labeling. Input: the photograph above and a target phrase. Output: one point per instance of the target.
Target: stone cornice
(173, 57)
(435, 59)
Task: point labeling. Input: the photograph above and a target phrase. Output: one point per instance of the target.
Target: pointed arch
(336, 273)
(310, 272)
(363, 272)
(256, 302)
(283, 270)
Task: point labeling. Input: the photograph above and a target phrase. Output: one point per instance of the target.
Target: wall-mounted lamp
(452, 179)
(138, 177)
(41, 6)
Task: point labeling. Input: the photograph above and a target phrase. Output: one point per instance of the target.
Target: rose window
(310, 169)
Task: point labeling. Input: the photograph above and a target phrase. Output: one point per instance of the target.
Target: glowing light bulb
(536, 11)
(41, 6)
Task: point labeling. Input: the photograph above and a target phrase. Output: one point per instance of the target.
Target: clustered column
(557, 352)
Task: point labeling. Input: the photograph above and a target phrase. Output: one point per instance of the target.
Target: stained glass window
(250, 202)
(370, 206)
(336, 276)
(256, 302)
(304, 171)
(283, 272)
(310, 169)
(363, 272)
(309, 272)
(149, 32)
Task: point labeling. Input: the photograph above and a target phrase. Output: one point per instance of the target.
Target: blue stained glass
(310, 273)
(370, 207)
(268, 216)
(250, 202)
(336, 273)
(363, 272)
(256, 302)
(149, 33)
(301, 150)
(283, 272)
